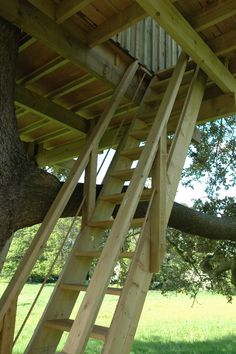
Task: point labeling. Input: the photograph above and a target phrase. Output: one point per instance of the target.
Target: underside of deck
(68, 66)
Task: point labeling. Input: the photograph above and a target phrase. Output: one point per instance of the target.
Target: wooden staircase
(103, 234)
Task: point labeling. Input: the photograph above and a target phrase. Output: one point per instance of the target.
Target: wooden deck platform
(68, 66)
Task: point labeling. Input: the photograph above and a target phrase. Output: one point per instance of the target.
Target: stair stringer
(131, 302)
(43, 339)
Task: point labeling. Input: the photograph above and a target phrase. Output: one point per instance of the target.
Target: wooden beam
(183, 135)
(181, 31)
(7, 329)
(99, 61)
(68, 8)
(115, 24)
(43, 70)
(71, 86)
(48, 7)
(211, 109)
(17, 282)
(73, 150)
(224, 43)
(213, 14)
(48, 109)
(31, 127)
(157, 212)
(217, 107)
(91, 101)
(25, 43)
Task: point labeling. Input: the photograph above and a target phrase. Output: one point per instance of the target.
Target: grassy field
(168, 324)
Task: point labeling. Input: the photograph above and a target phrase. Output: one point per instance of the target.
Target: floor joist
(98, 61)
(180, 30)
(48, 109)
(115, 24)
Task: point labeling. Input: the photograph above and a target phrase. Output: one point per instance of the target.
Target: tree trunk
(26, 192)
(12, 159)
(15, 169)
(39, 192)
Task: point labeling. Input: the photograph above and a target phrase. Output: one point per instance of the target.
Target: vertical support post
(90, 186)
(8, 329)
(128, 311)
(158, 222)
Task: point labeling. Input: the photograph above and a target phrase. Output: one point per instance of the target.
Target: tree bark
(12, 157)
(40, 190)
(26, 192)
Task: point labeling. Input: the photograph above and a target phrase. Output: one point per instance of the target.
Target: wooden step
(140, 134)
(107, 224)
(118, 197)
(96, 254)
(157, 84)
(148, 116)
(132, 153)
(80, 287)
(98, 332)
(124, 175)
(153, 98)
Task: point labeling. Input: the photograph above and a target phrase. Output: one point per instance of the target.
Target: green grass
(168, 324)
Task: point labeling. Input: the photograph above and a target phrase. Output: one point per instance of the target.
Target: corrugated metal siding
(150, 44)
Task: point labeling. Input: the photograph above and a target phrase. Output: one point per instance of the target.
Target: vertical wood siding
(150, 44)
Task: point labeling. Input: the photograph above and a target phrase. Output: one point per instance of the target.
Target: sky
(185, 195)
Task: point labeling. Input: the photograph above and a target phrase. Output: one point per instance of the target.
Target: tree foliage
(22, 240)
(191, 263)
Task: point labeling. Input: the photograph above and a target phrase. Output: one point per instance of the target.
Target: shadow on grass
(226, 345)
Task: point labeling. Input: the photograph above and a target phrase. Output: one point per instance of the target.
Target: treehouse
(94, 75)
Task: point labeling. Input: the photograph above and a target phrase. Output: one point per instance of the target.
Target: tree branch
(39, 190)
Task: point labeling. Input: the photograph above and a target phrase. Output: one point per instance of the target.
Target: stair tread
(98, 332)
(96, 254)
(140, 133)
(125, 174)
(133, 153)
(108, 223)
(81, 287)
(118, 197)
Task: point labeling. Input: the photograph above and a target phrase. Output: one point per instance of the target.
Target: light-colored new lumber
(117, 23)
(92, 300)
(90, 186)
(183, 33)
(130, 304)
(7, 329)
(48, 109)
(125, 174)
(97, 254)
(80, 259)
(224, 43)
(58, 205)
(118, 197)
(213, 14)
(103, 224)
(97, 61)
(67, 8)
(80, 287)
(157, 215)
(133, 153)
(183, 135)
(98, 332)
